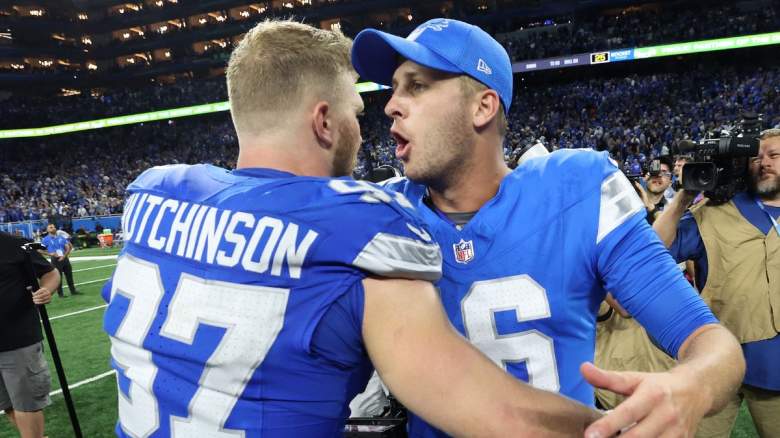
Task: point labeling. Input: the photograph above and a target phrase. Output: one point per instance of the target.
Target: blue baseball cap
(441, 44)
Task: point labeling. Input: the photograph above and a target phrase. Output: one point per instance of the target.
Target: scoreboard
(629, 54)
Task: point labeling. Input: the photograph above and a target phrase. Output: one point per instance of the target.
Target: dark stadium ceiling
(89, 43)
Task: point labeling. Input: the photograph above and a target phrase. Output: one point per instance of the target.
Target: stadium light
(634, 53)
(168, 114)
(609, 56)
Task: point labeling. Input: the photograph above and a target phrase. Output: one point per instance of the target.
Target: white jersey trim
(389, 255)
(619, 201)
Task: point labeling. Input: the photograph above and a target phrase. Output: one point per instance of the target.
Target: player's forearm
(539, 413)
(666, 223)
(468, 396)
(438, 375)
(713, 364)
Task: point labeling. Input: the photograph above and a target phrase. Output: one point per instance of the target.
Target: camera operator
(736, 249)
(658, 178)
(679, 162)
(24, 374)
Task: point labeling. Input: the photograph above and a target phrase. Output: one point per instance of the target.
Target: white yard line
(88, 282)
(95, 267)
(78, 312)
(84, 382)
(92, 258)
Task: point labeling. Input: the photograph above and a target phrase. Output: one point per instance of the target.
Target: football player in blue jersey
(247, 303)
(528, 254)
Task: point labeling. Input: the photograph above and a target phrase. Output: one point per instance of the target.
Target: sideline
(94, 267)
(78, 312)
(65, 286)
(93, 258)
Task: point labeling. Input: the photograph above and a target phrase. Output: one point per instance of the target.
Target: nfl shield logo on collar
(464, 251)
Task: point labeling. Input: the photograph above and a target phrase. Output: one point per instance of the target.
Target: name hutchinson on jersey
(226, 238)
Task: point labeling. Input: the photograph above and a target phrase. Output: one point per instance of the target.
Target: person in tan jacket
(736, 248)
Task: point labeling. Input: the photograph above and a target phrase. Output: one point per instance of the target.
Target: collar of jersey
(477, 225)
(262, 172)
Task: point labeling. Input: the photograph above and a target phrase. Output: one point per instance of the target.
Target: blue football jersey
(523, 279)
(235, 310)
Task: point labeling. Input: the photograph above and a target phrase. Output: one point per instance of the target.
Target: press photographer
(658, 179)
(24, 374)
(733, 237)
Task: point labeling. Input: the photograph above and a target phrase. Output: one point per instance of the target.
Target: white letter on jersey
(195, 232)
(153, 241)
(130, 205)
(153, 201)
(132, 223)
(181, 227)
(287, 251)
(237, 239)
(276, 230)
(211, 234)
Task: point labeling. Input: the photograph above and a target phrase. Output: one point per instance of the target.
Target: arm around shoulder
(437, 374)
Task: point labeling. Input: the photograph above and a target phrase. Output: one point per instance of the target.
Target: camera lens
(703, 177)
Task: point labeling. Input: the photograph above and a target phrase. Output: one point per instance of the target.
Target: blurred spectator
(59, 249)
(635, 118)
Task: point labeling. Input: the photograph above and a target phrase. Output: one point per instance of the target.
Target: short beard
(767, 190)
(345, 154)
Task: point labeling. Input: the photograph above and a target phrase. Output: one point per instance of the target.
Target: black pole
(55, 354)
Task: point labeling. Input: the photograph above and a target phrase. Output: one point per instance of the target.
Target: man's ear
(322, 124)
(487, 108)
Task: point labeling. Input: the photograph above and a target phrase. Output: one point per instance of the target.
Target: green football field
(84, 349)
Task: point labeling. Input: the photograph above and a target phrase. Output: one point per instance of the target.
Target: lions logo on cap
(437, 25)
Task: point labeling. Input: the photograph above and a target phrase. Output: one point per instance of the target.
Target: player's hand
(643, 194)
(61, 258)
(42, 296)
(658, 404)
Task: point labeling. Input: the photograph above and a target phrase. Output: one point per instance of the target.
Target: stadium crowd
(635, 118)
(576, 34)
(38, 184)
(637, 28)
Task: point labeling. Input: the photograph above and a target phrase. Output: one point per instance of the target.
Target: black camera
(720, 168)
(382, 173)
(652, 169)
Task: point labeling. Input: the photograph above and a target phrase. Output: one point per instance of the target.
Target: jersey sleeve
(640, 273)
(380, 233)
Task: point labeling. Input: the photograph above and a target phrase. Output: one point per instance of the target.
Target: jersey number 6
(529, 301)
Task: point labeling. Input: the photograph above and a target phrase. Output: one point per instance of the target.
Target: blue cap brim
(375, 56)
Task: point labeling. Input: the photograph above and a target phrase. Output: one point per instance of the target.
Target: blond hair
(769, 133)
(470, 87)
(277, 65)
